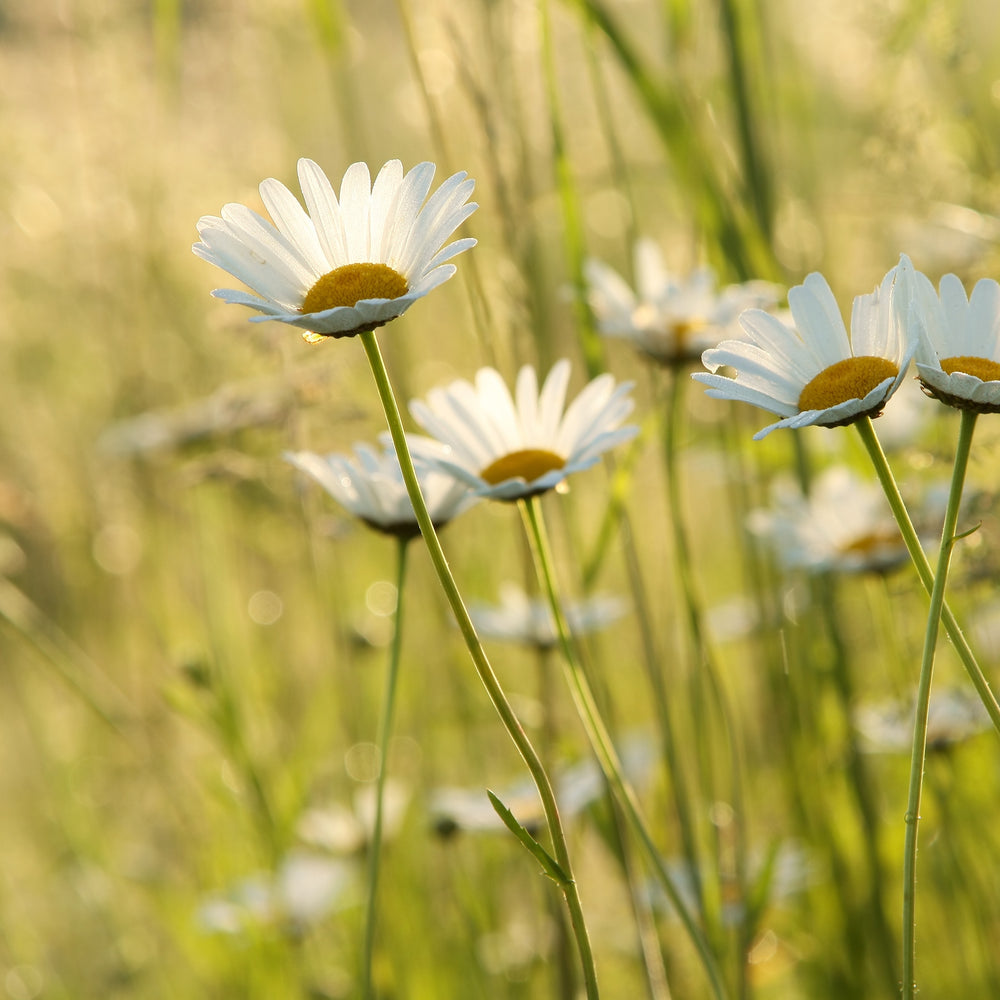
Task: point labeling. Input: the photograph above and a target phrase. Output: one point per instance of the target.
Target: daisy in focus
(348, 265)
(815, 373)
(370, 486)
(958, 348)
(519, 618)
(844, 525)
(510, 447)
(670, 319)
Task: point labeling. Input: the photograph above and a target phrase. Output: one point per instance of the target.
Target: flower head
(958, 348)
(518, 618)
(953, 716)
(844, 525)
(349, 265)
(371, 488)
(508, 447)
(815, 374)
(670, 319)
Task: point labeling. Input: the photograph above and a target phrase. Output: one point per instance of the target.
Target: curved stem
(384, 732)
(481, 662)
(923, 567)
(602, 745)
(919, 751)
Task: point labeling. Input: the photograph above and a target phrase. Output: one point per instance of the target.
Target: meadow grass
(193, 638)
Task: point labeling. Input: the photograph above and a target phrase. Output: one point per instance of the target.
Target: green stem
(923, 567)
(482, 664)
(705, 667)
(919, 751)
(601, 743)
(384, 731)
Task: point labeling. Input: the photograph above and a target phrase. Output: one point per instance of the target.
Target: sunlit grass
(193, 638)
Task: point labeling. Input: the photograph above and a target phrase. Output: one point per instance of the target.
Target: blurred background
(193, 638)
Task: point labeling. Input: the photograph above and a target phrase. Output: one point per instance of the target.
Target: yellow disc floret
(528, 464)
(852, 378)
(981, 368)
(349, 284)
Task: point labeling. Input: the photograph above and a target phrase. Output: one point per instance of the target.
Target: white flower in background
(785, 871)
(349, 265)
(519, 618)
(903, 424)
(305, 889)
(370, 486)
(815, 374)
(953, 716)
(958, 349)
(342, 829)
(577, 786)
(671, 319)
(508, 447)
(845, 524)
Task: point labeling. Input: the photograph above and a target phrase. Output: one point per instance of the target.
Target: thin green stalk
(569, 199)
(482, 664)
(706, 668)
(384, 732)
(602, 745)
(923, 567)
(919, 751)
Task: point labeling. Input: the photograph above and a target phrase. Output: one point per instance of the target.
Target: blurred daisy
(670, 319)
(815, 374)
(351, 264)
(508, 447)
(519, 618)
(958, 349)
(845, 524)
(371, 487)
(341, 829)
(577, 787)
(953, 716)
(305, 888)
(786, 870)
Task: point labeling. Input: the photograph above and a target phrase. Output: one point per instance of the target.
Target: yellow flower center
(529, 464)
(349, 284)
(870, 543)
(852, 378)
(982, 368)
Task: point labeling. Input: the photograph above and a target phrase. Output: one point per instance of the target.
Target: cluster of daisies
(347, 264)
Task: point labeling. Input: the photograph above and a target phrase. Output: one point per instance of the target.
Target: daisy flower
(953, 716)
(351, 264)
(670, 319)
(518, 618)
(815, 374)
(845, 524)
(508, 447)
(371, 487)
(958, 349)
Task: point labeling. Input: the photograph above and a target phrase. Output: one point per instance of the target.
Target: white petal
(324, 210)
(292, 221)
(355, 206)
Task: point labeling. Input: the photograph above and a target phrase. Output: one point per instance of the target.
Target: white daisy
(577, 786)
(349, 265)
(306, 887)
(845, 524)
(815, 374)
(371, 488)
(670, 319)
(507, 448)
(953, 716)
(519, 618)
(958, 349)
